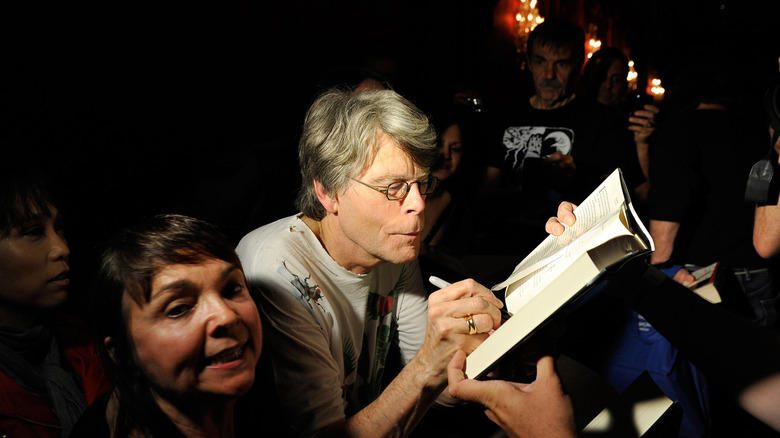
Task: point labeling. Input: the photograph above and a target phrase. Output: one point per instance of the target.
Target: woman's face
(200, 332)
(34, 272)
(451, 151)
(614, 86)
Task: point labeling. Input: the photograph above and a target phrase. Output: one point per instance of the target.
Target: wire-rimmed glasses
(399, 189)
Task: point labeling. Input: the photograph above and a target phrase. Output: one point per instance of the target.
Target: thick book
(563, 269)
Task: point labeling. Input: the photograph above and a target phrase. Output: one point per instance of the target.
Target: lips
(226, 356)
(64, 275)
(413, 232)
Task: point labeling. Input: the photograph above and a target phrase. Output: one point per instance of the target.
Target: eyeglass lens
(398, 190)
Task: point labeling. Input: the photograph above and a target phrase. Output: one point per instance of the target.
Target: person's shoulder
(288, 240)
(510, 113)
(93, 422)
(594, 108)
(267, 234)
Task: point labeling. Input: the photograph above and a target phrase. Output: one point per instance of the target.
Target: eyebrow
(395, 178)
(186, 283)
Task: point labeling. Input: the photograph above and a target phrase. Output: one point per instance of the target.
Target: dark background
(135, 109)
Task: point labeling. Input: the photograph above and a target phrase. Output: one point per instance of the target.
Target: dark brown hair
(128, 265)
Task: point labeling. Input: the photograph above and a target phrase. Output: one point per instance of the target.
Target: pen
(441, 284)
(438, 282)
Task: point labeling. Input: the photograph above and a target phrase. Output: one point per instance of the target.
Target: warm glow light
(656, 88)
(592, 47)
(527, 17)
(632, 76)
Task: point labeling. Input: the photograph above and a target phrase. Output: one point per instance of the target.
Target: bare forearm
(398, 409)
(766, 230)
(663, 234)
(408, 397)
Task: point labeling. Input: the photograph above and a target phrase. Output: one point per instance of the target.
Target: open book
(562, 269)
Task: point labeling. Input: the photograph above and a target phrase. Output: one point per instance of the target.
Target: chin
(405, 255)
(54, 300)
(234, 388)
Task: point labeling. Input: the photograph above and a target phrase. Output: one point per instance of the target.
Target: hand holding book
(559, 274)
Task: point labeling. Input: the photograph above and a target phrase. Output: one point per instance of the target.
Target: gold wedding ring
(472, 326)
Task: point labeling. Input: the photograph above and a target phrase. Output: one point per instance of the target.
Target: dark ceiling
(140, 109)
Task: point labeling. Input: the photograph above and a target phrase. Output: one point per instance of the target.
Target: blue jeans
(762, 290)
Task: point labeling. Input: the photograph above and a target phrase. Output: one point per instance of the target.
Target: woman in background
(49, 367)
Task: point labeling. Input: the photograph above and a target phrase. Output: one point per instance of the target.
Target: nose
(548, 70)
(446, 152)
(222, 318)
(59, 247)
(414, 200)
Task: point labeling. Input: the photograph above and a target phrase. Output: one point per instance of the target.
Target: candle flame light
(593, 42)
(632, 76)
(656, 89)
(593, 46)
(527, 18)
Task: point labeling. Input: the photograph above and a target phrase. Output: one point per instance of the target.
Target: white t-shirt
(328, 330)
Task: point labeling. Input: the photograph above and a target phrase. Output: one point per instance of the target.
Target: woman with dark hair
(605, 80)
(450, 228)
(49, 369)
(181, 333)
(605, 77)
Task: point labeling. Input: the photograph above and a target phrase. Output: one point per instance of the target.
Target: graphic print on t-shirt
(524, 142)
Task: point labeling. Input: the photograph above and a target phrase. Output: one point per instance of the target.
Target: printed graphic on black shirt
(524, 142)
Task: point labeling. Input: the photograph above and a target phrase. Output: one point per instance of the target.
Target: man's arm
(766, 226)
(663, 234)
(766, 230)
(408, 397)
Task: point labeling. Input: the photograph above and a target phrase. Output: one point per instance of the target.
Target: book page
(700, 275)
(521, 291)
(605, 202)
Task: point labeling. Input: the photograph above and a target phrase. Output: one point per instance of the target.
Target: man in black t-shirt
(554, 146)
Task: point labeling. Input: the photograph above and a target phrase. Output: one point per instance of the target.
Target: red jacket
(22, 414)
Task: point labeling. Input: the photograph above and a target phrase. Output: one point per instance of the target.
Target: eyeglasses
(398, 190)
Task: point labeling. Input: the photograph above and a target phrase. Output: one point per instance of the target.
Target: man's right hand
(448, 327)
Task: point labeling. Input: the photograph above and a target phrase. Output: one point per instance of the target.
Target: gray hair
(339, 139)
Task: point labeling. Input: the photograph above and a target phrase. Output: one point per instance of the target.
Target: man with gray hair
(339, 284)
